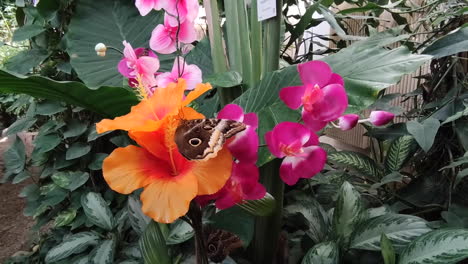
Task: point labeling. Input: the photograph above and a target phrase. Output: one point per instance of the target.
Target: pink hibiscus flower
(139, 63)
(145, 6)
(322, 96)
(163, 37)
(189, 72)
(298, 146)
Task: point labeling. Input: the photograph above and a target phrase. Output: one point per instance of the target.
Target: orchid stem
(195, 214)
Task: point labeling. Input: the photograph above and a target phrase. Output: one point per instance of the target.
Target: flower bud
(348, 122)
(380, 118)
(101, 53)
(100, 47)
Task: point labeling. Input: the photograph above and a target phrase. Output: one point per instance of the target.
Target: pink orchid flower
(145, 6)
(348, 122)
(163, 37)
(380, 118)
(139, 63)
(298, 146)
(322, 96)
(189, 72)
(244, 145)
(186, 10)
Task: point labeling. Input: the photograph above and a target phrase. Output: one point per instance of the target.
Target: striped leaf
(260, 207)
(153, 245)
(439, 246)
(138, 220)
(104, 252)
(399, 152)
(400, 229)
(323, 253)
(347, 212)
(180, 232)
(97, 210)
(71, 245)
(358, 161)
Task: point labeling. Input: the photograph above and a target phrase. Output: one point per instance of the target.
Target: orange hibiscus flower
(170, 181)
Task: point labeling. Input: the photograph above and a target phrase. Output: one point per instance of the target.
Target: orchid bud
(348, 122)
(100, 49)
(380, 118)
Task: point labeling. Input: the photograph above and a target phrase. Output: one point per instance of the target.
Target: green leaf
(27, 31)
(392, 177)
(70, 180)
(449, 44)
(367, 67)
(358, 161)
(65, 217)
(45, 143)
(75, 128)
(400, 229)
(153, 245)
(15, 157)
(439, 246)
(108, 101)
(388, 253)
(460, 176)
(347, 211)
(104, 252)
(26, 60)
(96, 163)
(224, 79)
(73, 244)
(97, 211)
(49, 108)
(22, 176)
(201, 56)
(236, 221)
(180, 232)
(398, 153)
(138, 220)
(322, 253)
(78, 149)
(117, 21)
(424, 132)
(260, 207)
(20, 125)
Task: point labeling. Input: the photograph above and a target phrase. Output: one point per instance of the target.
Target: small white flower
(100, 49)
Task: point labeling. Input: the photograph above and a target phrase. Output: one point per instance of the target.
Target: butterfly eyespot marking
(195, 142)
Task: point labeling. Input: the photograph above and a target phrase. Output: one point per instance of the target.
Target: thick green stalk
(272, 40)
(268, 229)
(255, 42)
(232, 34)
(244, 38)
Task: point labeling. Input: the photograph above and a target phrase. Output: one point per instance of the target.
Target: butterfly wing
(201, 139)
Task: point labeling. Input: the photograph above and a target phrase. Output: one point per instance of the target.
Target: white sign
(266, 9)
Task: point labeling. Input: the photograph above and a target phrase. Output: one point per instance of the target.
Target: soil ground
(14, 226)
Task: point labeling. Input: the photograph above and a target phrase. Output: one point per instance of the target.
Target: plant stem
(195, 215)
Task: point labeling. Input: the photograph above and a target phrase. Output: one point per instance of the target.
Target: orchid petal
(380, 118)
(333, 104)
(161, 41)
(231, 112)
(348, 122)
(312, 123)
(187, 32)
(315, 72)
(292, 96)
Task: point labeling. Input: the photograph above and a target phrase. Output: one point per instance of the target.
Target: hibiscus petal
(200, 89)
(213, 173)
(315, 72)
(292, 96)
(161, 41)
(232, 112)
(130, 168)
(167, 199)
(333, 104)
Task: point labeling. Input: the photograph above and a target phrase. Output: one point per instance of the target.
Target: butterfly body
(201, 139)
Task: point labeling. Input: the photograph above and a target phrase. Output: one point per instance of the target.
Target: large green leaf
(259, 207)
(153, 245)
(347, 212)
(97, 211)
(26, 60)
(108, 101)
(424, 132)
(358, 161)
(439, 246)
(15, 156)
(449, 44)
(180, 232)
(71, 245)
(118, 20)
(400, 229)
(398, 153)
(323, 253)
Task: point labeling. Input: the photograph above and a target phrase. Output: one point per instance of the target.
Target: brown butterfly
(201, 139)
